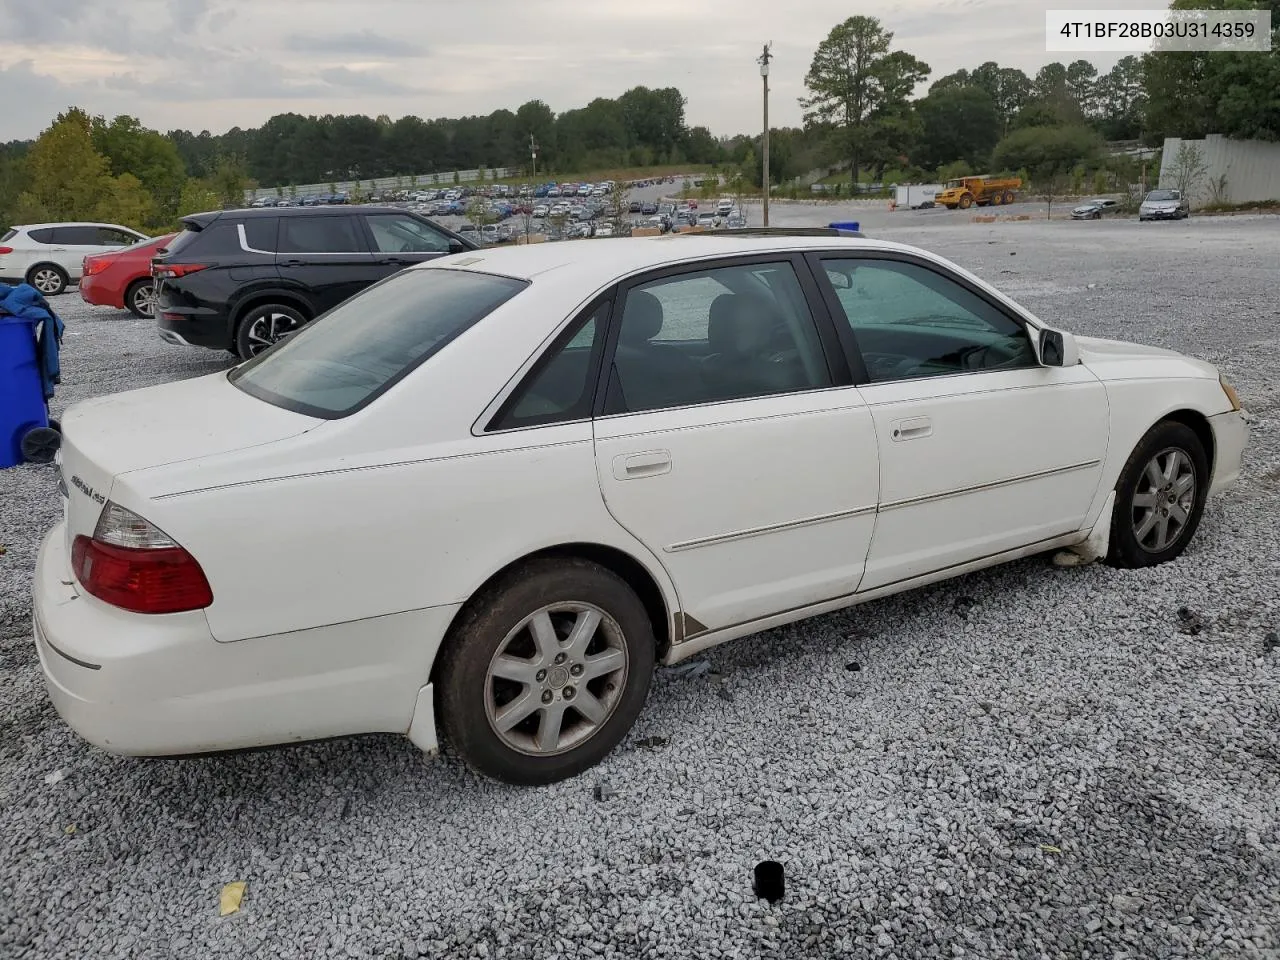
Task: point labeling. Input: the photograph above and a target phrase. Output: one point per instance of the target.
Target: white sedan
(491, 491)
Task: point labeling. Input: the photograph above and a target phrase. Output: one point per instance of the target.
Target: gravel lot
(1026, 762)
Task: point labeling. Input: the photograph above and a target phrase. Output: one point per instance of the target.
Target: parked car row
(1159, 204)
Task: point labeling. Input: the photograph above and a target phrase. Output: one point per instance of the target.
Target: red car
(122, 278)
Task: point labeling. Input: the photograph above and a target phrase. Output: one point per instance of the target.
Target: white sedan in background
(491, 491)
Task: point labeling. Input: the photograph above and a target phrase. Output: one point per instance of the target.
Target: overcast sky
(215, 64)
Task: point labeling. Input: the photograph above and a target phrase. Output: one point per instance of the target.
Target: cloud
(215, 64)
(364, 81)
(366, 43)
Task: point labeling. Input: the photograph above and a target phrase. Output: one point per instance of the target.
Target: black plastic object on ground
(769, 881)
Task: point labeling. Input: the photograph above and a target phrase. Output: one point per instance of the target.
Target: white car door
(981, 448)
(728, 446)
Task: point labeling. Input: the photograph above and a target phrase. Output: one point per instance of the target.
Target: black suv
(240, 280)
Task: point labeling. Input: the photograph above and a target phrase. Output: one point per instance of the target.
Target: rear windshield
(8, 235)
(356, 351)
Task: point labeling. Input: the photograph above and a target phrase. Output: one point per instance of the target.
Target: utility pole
(764, 59)
(533, 150)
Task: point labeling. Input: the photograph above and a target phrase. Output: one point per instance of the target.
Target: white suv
(50, 255)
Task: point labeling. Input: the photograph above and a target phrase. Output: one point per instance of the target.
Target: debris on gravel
(1060, 774)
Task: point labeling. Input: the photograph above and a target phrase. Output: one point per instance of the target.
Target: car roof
(626, 255)
(72, 223)
(250, 213)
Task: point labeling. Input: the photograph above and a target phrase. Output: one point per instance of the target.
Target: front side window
(345, 359)
(910, 321)
(399, 234)
(320, 235)
(713, 335)
(111, 237)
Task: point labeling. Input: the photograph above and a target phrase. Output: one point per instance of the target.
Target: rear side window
(320, 235)
(356, 351)
(217, 239)
(43, 235)
(8, 235)
(77, 236)
(260, 232)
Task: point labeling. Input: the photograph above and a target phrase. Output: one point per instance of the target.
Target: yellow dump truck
(984, 191)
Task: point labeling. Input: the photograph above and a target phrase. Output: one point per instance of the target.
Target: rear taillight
(93, 266)
(4, 250)
(171, 270)
(131, 564)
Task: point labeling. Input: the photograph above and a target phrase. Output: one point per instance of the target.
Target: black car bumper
(194, 328)
(1161, 215)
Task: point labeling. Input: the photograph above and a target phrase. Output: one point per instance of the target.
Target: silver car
(1164, 205)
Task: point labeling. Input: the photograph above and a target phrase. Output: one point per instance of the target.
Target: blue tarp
(27, 304)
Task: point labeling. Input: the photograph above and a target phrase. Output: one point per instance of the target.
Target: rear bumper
(190, 328)
(94, 291)
(162, 685)
(1230, 437)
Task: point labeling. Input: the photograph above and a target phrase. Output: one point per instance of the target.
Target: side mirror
(1058, 349)
(456, 246)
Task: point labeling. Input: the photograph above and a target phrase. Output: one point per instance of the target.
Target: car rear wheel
(140, 299)
(546, 672)
(264, 326)
(49, 278)
(1160, 497)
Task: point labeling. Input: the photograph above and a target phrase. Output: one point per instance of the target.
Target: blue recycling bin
(853, 225)
(22, 406)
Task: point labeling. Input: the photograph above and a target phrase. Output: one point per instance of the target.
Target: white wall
(1252, 168)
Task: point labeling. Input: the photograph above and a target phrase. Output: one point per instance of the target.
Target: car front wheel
(546, 672)
(264, 326)
(1160, 497)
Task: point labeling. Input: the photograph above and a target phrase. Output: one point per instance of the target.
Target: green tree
(230, 181)
(1190, 95)
(854, 82)
(147, 155)
(65, 177)
(1048, 152)
(198, 196)
(957, 123)
(1120, 100)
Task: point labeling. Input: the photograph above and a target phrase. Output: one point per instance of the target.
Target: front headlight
(1230, 392)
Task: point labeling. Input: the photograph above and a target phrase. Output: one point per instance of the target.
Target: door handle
(633, 466)
(399, 260)
(294, 263)
(912, 429)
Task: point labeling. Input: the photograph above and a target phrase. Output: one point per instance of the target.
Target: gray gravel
(1026, 762)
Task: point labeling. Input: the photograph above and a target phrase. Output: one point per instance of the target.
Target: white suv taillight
(131, 564)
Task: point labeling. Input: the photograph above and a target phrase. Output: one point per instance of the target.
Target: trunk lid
(138, 429)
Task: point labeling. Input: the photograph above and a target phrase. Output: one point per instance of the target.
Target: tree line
(862, 114)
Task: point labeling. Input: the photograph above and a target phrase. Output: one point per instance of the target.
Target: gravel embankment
(1027, 762)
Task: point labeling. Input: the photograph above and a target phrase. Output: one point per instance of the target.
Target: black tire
(263, 326)
(139, 298)
(49, 278)
(485, 626)
(1126, 548)
(40, 444)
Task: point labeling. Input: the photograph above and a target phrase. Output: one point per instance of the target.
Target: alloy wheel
(556, 678)
(1164, 500)
(268, 328)
(46, 280)
(144, 300)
